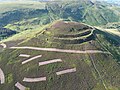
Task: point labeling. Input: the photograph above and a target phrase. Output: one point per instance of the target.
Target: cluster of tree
(4, 33)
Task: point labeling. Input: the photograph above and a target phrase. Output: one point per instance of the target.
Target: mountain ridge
(87, 68)
(65, 45)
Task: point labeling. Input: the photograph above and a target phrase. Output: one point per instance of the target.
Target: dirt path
(24, 55)
(20, 86)
(3, 45)
(34, 79)
(66, 71)
(28, 60)
(60, 50)
(2, 77)
(94, 65)
(49, 62)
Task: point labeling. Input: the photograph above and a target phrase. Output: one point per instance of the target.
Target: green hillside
(28, 16)
(90, 56)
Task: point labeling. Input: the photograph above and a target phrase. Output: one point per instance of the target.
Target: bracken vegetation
(27, 16)
(95, 71)
(46, 31)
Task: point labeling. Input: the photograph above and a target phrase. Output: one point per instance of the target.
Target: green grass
(30, 15)
(65, 82)
(86, 76)
(10, 6)
(9, 78)
(28, 34)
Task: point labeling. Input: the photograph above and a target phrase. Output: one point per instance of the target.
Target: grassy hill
(20, 16)
(92, 52)
(17, 13)
(93, 13)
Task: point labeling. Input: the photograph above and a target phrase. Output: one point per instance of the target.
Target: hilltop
(20, 16)
(62, 55)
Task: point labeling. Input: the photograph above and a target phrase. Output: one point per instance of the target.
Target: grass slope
(94, 71)
(30, 15)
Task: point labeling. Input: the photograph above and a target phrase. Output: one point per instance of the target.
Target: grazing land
(87, 63)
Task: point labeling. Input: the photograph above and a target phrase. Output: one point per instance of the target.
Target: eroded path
(24, 55)
(49, 62)
(20, 86)
(34, 79)
(2, 76)
(3, 45)
(28, 60)
(66, 71)
(60, 50)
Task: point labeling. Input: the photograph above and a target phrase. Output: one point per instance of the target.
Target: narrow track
(95, 67)
(34, 79)
(28, 60)
(3, 45)
(49, 62)
(24, 55)
(60, 50)
(2, 76)
(20, 86)
(66, 71)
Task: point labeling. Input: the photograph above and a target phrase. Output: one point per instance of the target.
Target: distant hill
(81, 11)
(18, 16)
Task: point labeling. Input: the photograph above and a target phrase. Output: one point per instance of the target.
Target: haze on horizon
(50, 0)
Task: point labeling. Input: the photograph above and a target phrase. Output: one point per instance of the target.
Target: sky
(43, 0)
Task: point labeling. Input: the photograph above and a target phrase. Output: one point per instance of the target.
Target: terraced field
(43, 63)
(70, 33)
